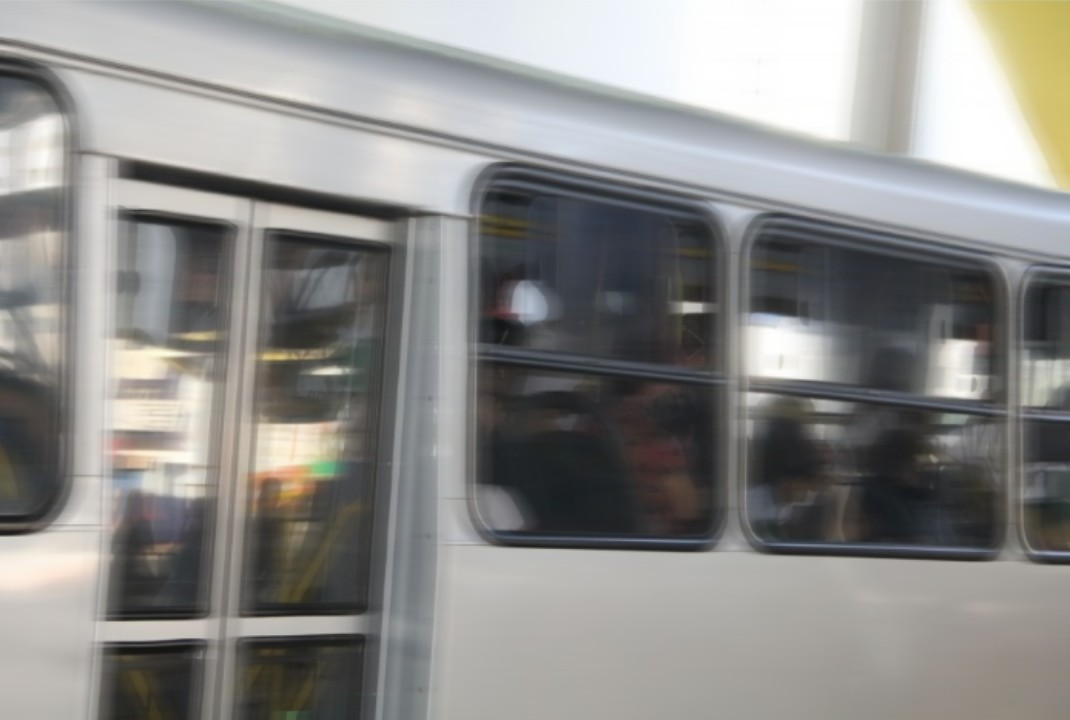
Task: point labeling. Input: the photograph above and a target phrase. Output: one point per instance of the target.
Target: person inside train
(868, 435)
(667, 493)
(661, 462)
(790, 499)
(892, 370)
(185, 577)
(898, 504)
(133, 547)
(548, 462)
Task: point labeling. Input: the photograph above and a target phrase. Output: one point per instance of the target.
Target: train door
(249, 354)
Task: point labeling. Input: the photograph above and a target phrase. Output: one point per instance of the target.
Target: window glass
(1046, 352)
(311, 679)
(570, 275)
(317, 380)
(839, 471)
(168, 369)
(585, 454)
(33, 196)
(598, 386)
(830, 314)
(151, 681)
(831, 465)
(1046, 388)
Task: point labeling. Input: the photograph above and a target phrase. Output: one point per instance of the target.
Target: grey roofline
(289, 55)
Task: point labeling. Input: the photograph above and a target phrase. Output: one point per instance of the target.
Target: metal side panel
(47, 598)
(207, 133)
(410, 576)
(541, 633)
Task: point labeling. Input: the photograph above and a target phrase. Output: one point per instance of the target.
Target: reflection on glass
(32, 240)
(1046, 354)
(157, 682)
(310, 679)
(578, 276)
(825, 313)
(316, 381)
(582, 454)
(168, 365)
(832, 471)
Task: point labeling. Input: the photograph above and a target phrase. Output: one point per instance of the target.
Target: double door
(249, 353)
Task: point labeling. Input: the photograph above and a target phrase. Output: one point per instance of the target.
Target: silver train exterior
(261, 114)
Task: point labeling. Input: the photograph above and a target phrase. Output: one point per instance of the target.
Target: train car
(348, 377)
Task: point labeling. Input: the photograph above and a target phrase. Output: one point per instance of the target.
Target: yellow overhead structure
(1031, 38)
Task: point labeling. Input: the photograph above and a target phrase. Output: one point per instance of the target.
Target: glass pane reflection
(316, 382)
(1046, 352)
(579, 276)
(167, 370)
(310, 679)
(909, 325)
(33, 196)
(583, 454)
(832, 471)
(151, 681)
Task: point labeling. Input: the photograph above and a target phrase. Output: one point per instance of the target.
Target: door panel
(247, 349)
(312, 398)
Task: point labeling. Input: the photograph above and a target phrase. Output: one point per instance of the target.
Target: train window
(300, 678)
(317, 381)
(598, 374)
(168, 346)
(157, 680)
(872, 416)
(1046, 395)
(33, 234)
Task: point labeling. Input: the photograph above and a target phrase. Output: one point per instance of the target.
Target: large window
(33, 197)
(874, 379)
(1046, 397)
(598, 370)
(247, 368)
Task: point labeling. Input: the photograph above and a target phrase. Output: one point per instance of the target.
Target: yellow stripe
(1030, 39)
(307, 688)
(144, 689)
(321, 553)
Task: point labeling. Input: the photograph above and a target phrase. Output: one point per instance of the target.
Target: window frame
(715, 377)
(859, 238)
(48, 82)
(1034, 275)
